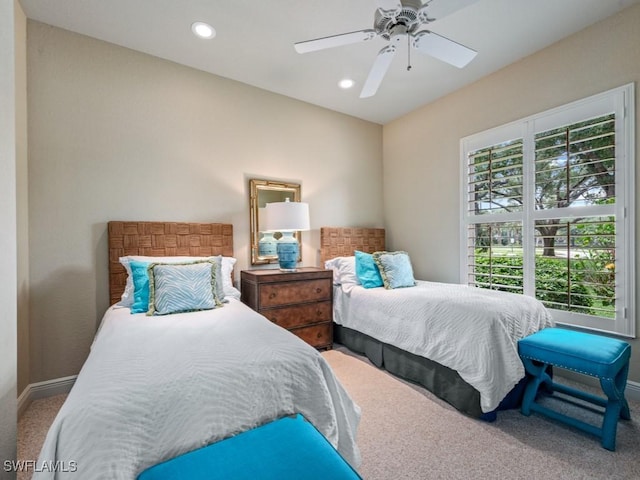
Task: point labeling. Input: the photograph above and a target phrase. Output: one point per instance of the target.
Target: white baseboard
(632, 392)
(48, 388)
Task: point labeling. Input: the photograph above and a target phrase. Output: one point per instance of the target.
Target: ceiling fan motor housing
(387, 28)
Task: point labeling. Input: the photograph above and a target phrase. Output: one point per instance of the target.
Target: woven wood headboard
(342, 242)
(163, 239)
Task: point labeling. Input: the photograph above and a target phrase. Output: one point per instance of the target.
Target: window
(548, 211)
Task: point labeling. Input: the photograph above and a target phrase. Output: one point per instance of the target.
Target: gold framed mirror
(262, 192)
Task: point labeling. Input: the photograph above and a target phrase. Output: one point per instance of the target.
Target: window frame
(619, 101)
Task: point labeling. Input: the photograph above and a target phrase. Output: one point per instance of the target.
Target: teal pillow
(395, 269)
(140, 278)
(367, 270)
(182, 287)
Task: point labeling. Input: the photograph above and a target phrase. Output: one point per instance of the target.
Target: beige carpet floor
(407, 433)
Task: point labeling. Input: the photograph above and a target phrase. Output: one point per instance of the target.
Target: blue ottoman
(602, 357)
(287, 449)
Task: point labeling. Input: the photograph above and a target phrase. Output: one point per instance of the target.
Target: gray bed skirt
(442, 381)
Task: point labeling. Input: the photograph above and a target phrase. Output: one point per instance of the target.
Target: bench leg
(621, 384)
(539, 376)
(610, 425)
(617, 406)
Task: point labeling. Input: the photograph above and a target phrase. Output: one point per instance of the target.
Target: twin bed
(156, 387)
(459, 342)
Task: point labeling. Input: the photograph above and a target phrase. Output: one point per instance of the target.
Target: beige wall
(421, 150)
(115, 134)
(12, 136)
(22, 201)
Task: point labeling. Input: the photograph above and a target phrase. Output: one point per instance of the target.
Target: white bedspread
(153, 388)
(470, 330)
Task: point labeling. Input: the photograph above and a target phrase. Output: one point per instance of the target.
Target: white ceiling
(254, 42)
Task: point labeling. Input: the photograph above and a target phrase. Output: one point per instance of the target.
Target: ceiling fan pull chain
(408, 53)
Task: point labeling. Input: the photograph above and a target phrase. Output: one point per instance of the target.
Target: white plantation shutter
(548, 211)
(495, 179)
(584, 279)
(494, 189)
(576, 160)
(484, 266)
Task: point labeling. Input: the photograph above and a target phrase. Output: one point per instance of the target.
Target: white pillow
(227, 282)
(226, 268)
(344, 270)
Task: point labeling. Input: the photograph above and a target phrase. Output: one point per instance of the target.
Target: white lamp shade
(287, 216)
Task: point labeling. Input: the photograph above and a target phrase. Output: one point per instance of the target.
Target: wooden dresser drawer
(288, 293)
(317, 335)
(299, 315)
(300, 301)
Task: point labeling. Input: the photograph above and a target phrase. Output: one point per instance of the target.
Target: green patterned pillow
(182, 287)
(395, 269)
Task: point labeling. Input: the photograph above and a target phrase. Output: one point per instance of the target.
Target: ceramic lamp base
(267, 245)
(288, 251)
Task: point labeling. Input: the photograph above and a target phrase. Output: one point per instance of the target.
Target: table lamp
(287, 218)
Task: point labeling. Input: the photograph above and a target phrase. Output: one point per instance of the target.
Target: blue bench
(602, 357)
(287, 449)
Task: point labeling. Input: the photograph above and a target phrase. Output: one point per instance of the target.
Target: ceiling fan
(397, 21)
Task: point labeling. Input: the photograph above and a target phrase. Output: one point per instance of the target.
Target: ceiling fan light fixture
(203, 30)
(346, 83)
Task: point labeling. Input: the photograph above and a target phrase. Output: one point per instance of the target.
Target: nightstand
(300, 301)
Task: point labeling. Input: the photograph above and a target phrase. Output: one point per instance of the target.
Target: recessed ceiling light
(346, 83)
(203, 30)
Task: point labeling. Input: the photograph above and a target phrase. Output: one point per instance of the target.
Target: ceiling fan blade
(443, 49)
(378, 71)
(389, 8)
(436, 9)
(335, 41)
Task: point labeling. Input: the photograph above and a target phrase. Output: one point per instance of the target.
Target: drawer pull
(272, 295)
(318, 290)
(318, 313)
